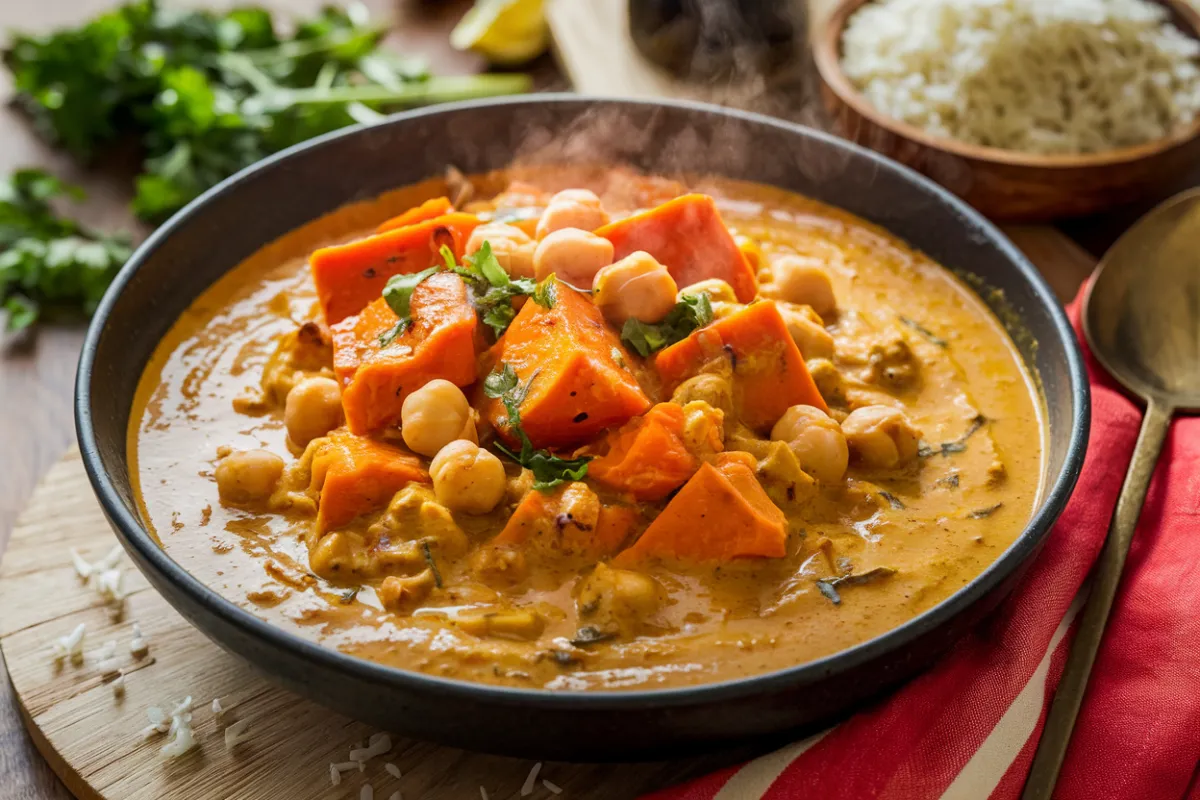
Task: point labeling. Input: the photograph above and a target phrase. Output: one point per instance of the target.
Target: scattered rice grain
(335, 775)
(138, 646)
(71, 645)
(367, 793)
(392, 770)
(553, 788)
(235, 734)
(527, 789)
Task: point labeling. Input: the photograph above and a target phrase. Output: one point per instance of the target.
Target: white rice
(235, 734)
(552, 788)
(1039, 76)
(392, 770)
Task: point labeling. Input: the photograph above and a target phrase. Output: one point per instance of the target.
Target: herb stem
(433, 90)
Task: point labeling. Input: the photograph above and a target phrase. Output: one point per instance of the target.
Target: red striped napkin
(968, 728)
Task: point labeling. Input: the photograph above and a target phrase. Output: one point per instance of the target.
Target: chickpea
(467, 478)
(572, 208)
(433, 416)
(575, 256)
(511, 246)
(800, 280)
(245, 476)
(816, 440)
(313, 408)
(708, 388)
(807, 330)
(703, 429)
(881, 436)
(828, 379)
(636, 287)
(718, 291)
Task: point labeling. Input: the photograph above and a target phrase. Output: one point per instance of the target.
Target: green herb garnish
(548, 469)
(928, 334)
(348, 596)
(893, 501)
(981, 513)
(959, 445)
(494, 291)
(829, 586)
(590, 634)
(398, 295)
(693, 311)
(207, 93)
(48, 263)
(433, 567)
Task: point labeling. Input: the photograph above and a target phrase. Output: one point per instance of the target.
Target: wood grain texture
(1003, 184)
(91, 738)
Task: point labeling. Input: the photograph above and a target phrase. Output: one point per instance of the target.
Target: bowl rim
(827, 49)
(136, 536)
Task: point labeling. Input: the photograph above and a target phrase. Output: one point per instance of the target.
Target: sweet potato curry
(587, 430)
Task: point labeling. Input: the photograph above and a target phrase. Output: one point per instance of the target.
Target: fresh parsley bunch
(49, 264)
(548, 469)
(208, 93)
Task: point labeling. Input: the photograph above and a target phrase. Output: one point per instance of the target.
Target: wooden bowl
(1006, 184)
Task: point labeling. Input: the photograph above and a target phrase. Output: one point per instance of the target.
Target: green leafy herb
(398, 295)
(548, 469)
(48, 263)
(693, 311)
(590, 634)
(892, 500)
(950, 481)
(928, 334)
(546, 293)
(348, 596)
(493, 290)
(208, 93)
(981, 513)
(959, 445)
(829, 586)
(433, 567)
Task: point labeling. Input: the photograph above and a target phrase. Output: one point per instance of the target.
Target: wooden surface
(92, 738)
(36, 377)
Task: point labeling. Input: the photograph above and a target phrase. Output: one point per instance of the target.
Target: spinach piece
(693, 311)
(548, 469)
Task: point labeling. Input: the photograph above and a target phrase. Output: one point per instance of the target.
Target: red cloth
(968, 727)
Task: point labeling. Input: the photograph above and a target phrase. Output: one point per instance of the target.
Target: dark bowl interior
(233, 220)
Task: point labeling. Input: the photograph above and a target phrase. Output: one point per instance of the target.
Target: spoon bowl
(1141, 317)
(1142, 310)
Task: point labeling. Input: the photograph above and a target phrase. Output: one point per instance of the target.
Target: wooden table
(36, 377)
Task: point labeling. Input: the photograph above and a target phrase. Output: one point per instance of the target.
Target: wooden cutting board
(592, 42)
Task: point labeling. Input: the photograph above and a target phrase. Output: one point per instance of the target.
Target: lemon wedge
(505, 32)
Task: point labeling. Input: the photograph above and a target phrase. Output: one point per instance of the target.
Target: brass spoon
(1141, 318)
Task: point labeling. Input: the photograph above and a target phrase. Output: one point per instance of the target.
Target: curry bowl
(205, 242)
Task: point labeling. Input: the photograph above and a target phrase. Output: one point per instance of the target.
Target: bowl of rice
(1028, 109)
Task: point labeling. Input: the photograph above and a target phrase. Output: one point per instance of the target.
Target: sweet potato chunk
(430, 209)
(356, 475)
(570, 521)
(721, 513)
(769, 375)
(647, 458)
(440, 343)
(349, 276)
(688, 237)
(580, 389)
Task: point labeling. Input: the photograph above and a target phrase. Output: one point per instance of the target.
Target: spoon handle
(1105, 579)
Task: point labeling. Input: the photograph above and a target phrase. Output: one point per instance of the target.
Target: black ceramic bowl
(234, 219)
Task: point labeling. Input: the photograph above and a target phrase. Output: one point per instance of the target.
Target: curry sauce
(860, 549)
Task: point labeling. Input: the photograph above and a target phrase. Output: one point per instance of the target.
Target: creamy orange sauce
(937, 525)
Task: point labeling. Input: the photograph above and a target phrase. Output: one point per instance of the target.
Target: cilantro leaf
(207, 93)
(692, 312)
(493, 290)
(398, 295)
(548, 469)
(49, 264)
(484, 262)
(546, 293)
